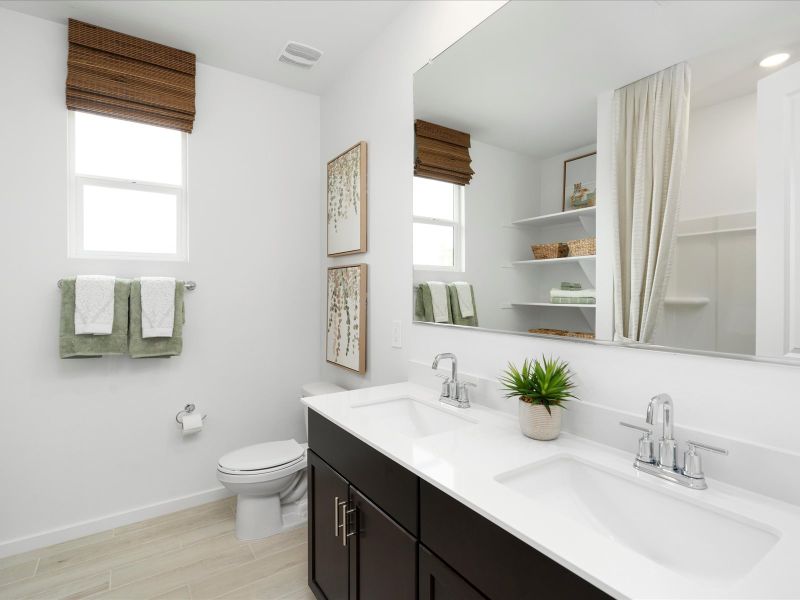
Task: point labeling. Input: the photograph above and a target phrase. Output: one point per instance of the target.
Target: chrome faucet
(663, 464)
(453, 392)
(667, 452)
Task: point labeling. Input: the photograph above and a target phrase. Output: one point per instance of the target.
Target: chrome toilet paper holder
(187, 410)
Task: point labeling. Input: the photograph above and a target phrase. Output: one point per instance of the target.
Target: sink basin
(410, 418)
(687, 537)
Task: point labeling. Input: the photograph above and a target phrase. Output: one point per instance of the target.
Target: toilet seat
(260, 459)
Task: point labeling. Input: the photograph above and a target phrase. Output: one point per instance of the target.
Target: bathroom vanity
(410, 498)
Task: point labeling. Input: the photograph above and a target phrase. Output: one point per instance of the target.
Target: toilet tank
(317, 388)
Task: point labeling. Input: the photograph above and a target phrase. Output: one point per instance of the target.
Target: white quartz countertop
(465, 462)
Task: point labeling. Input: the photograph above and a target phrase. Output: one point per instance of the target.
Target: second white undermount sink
(410, 418)
(687, 537)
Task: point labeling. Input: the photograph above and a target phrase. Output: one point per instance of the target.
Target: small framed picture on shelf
(580, 175)
(346, 333)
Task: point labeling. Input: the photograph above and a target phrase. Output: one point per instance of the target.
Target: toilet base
(257, 516)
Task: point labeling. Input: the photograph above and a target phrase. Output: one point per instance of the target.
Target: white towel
(439, 301)
(94, 304)
(158, 306)
(559, 293)
(464, 293)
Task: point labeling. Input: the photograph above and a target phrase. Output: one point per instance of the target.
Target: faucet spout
(454, 364)
(664, 403)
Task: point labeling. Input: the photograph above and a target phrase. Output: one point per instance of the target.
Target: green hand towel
(455, 306)
(157, 347)
(93, 346)
(423, 305)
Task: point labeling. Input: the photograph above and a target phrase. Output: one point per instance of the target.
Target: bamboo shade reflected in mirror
(441, 153)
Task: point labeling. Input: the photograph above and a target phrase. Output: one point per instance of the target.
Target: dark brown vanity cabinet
(377, 532)
(356, 550)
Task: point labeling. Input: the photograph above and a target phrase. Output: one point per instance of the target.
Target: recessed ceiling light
(773, 60)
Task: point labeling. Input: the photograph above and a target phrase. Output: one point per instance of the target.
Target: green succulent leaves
(546, 382)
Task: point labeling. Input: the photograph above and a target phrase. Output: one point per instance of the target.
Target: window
(128, 189)
(438, 225)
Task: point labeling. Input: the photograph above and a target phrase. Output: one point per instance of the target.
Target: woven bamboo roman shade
(441, 153)
(129, 78)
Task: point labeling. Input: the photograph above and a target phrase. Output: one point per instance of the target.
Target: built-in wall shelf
(559, 218)
(554, 305)
(686, 300)
(554, 261)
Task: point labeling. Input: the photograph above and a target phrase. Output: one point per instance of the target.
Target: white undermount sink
(410, 418)
(687, 537)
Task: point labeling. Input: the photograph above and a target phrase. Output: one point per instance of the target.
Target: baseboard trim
(84, 528)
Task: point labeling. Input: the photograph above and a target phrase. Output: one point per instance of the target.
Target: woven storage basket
(582, 247)
(554, 250)
(563, 333)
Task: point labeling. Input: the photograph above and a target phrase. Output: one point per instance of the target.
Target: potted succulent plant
(542, 387)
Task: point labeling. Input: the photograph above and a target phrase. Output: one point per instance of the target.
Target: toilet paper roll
(192, 423)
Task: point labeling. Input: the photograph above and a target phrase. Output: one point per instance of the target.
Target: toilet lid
(262, 456)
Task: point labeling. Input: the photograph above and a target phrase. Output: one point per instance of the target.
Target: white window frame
(77, 181)
(457, 223)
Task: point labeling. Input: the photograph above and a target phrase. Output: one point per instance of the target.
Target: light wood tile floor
(188, 555)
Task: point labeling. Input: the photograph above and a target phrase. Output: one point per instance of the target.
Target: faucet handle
(645, 453)
(693, 462)
(445, 393)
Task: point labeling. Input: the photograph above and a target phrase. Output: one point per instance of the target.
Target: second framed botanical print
(347, 201)
(346, 317)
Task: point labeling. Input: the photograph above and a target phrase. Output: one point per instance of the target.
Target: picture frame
(346, 201)
(346, 317)
(579, 184)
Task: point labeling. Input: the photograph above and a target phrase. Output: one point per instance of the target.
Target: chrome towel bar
(189, 285)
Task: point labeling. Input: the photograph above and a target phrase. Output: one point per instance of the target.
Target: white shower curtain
(651, 127)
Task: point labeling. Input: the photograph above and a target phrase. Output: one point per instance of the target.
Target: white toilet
(265, 476)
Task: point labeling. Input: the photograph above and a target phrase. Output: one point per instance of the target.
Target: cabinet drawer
(383, 481)
(500, 565)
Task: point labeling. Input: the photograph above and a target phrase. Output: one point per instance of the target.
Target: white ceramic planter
(535, 422)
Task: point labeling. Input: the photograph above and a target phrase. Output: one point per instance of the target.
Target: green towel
(156, 347)
(567, 285)
(455, 306)
(573, 300)
(93, 346)
(423, 305)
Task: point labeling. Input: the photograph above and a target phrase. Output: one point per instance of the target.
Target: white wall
(723, 397)
(85, 439)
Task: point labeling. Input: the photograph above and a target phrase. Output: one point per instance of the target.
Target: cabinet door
(437, 581)
(383, 557)
(327, 555)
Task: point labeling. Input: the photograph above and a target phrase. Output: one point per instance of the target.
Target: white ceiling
(527, 78)
(245, 37)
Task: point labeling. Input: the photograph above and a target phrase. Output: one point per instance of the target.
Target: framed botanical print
(347, 201)
(580, 175)
(346, 334)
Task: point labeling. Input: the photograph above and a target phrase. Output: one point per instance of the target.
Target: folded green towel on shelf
(571, 300)
(71, 345)
(455, 307)
(566, 285)
(155, 347)
(423, 305)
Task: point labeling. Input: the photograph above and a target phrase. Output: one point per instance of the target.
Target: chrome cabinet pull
(336, 524)
(346, 534)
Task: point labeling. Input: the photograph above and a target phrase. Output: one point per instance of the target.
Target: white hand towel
(158, 306)
(558, 293)
(439, 301)
(94, 304)
(464, 293)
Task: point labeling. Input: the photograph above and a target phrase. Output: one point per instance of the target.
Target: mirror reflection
(601, 179)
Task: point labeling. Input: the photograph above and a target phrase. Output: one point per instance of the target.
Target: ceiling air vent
(299, 55)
